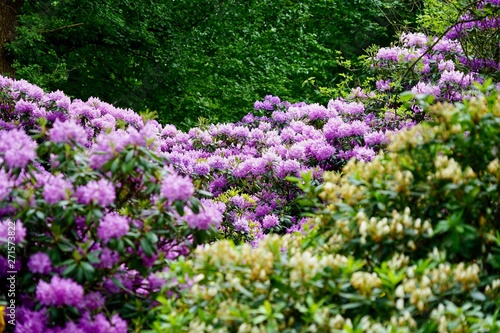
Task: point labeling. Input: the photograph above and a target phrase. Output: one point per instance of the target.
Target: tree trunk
(9, 9)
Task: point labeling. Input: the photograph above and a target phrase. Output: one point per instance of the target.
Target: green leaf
(179, 207)
(129, 156)
(70, 270)
(406, 96)
(147, 247)
(87, 266)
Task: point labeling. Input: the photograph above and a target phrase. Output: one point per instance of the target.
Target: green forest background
(187, 60)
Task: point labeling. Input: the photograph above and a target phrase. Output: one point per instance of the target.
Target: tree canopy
(187, 59)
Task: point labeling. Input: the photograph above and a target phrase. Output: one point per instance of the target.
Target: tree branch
(61, 28)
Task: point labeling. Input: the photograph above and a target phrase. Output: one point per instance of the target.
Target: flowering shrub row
(407, 242)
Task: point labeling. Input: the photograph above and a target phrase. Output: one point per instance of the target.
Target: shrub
(407, 242)
(87, 214)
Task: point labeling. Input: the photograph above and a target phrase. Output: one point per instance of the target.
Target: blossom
(241, 224)
(106, 146)
(210, 214)
(112, 225)
(176, 187)
(358, 127)
(390, 53)
(56, 189)
(100, 324)
(446, 65)
(202, 168)
(262, 210)
(27, 107)
(414, 39)
(383, 85)
(270, 221)
(9, 230)
(30, 321)
(40, 263)
(426, 89)
(100, 192)
(108, 258)
(456, 77)
(17, 147)
(291, 166)
(321, 150)
(68, 131)
(59, 292)
(105, 122)
(374, 138)
(363, 153)
(279, 116)
(92, 302)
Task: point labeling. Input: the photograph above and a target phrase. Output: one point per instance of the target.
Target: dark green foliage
(189, 59)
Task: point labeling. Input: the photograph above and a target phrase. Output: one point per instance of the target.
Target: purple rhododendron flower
(270, 221)
(67, 132)
(375, 138)
(241, 224)
(40, 263)
(322, 150)
(210, 214)
(28, 321)
(101, 192)
(447, 65)
(7, 231)
(202, 168)
(99, 324)
(414, 39)
(291, 166)
(56, 189)
(426, 89)
(176, 187)
(363, 153)
(112, 225)
(17, 147)
(105, 122)
(59, 292)
(92, 301)
(383, 85)
(456, 77)
(108, 258)
(23, 106)
(390, 53)
(106, 146)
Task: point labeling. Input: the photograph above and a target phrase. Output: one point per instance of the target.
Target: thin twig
(61, 28)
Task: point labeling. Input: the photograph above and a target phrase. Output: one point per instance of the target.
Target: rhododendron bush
(95, 211)
(103, 200)
(407, 242)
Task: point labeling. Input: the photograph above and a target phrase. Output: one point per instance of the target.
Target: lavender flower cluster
(470, 21)
(439, 67)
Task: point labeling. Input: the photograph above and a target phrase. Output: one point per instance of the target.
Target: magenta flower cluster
(59, 292)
